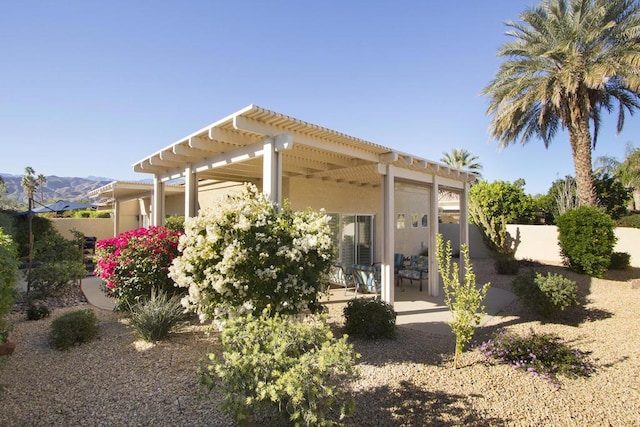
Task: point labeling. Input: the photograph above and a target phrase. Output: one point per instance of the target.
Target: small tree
(504, 199)
(8, 279)
(463, 299)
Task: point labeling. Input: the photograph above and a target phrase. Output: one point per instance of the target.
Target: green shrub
(370, 318)
(76, 327)
(632, 221)
(175, 223)
(274, 362)
(37, 311)
(101, 214)
(619, 261)
(542, 355)
(547, 295)
(586, 238)
(154, 317)
(506, 265)
(8, 279)
(55, 278)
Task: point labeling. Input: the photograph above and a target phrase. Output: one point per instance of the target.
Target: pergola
(262, 146)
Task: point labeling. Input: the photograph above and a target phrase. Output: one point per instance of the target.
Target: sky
(90, 88)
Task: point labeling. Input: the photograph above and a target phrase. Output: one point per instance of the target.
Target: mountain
(55, 188)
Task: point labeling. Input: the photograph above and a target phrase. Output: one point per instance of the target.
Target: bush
(506, 265)
(547, 295)
(370, 318)
(619, 261)
(586, 239)
(247, 253)
(542, 355)
(153, 318)
(632, 221)
(136, 261)
(273, 361)
(37, 311)
(8, 279)
(76, 327)
(175, 223)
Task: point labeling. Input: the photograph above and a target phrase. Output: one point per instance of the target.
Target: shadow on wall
(539, 242)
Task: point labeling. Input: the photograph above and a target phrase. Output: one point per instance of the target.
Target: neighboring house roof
(129, 190)
(230, 149)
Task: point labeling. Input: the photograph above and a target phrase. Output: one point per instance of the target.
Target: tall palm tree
(462, 159)
(40, 180)
(628, 172)
(567, 61)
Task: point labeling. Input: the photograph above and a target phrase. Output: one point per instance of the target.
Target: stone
(635, 284)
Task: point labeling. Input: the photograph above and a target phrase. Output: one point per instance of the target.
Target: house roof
(128, 190)
(229, 150)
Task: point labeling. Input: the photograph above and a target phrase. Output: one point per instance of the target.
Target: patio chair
(417, 270)
(398, 264)
(338, 277)
(365, 278)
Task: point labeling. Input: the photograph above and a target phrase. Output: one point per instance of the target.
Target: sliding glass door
(357, 240)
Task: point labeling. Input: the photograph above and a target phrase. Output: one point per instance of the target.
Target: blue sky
(89, 88)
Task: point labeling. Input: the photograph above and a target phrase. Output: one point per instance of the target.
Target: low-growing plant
(370, 318)
(586, 239)
(464, 300)
(153, 318)
(273, 361)
(37, 311)
(506, 265)
(619, 261)
(73, 328)
(632, 221)
(543, 355)
(547, 295)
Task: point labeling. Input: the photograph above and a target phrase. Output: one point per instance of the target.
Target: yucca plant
(154, 318)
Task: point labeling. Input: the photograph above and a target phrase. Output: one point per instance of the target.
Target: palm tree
(462, 159)
(40, 180)
(567, 61)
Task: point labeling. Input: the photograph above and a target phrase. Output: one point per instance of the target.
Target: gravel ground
(410, 381)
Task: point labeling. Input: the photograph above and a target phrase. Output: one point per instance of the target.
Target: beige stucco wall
(102, 228)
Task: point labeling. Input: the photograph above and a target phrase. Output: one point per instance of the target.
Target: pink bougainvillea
(135, 261)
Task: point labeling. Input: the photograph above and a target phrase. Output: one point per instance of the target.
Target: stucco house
(382, 201)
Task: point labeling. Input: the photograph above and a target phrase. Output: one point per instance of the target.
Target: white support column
(388, 209)
(270, 170)
(434, 276)
(158, 201)
(116, 218)
(464, 223)
(190, 192)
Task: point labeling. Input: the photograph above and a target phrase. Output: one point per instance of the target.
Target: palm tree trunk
(580, 139)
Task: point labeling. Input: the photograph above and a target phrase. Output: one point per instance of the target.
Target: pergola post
(190, 192)
(434, 277)
(388, 249)
(270, 172)
(158, 201)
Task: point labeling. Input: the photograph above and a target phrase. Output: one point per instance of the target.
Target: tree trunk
(580, 139)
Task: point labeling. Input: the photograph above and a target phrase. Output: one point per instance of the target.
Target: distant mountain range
(55, 188)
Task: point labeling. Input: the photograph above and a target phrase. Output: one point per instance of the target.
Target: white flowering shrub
(246, 254)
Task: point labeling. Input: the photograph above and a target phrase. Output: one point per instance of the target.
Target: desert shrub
(73, 328)
(619, 261)
(632, 221)
(543, 355)
(247, 253)
(274, 362)
(36, 311)
(154, 317)
(546, 295)
(175, 223)
(586, 240)
(464, 300)
(135, 261)
(506, 265)
(504, 199)
(370, 318)
(8, 279)
(61, 264)
(40, 226)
